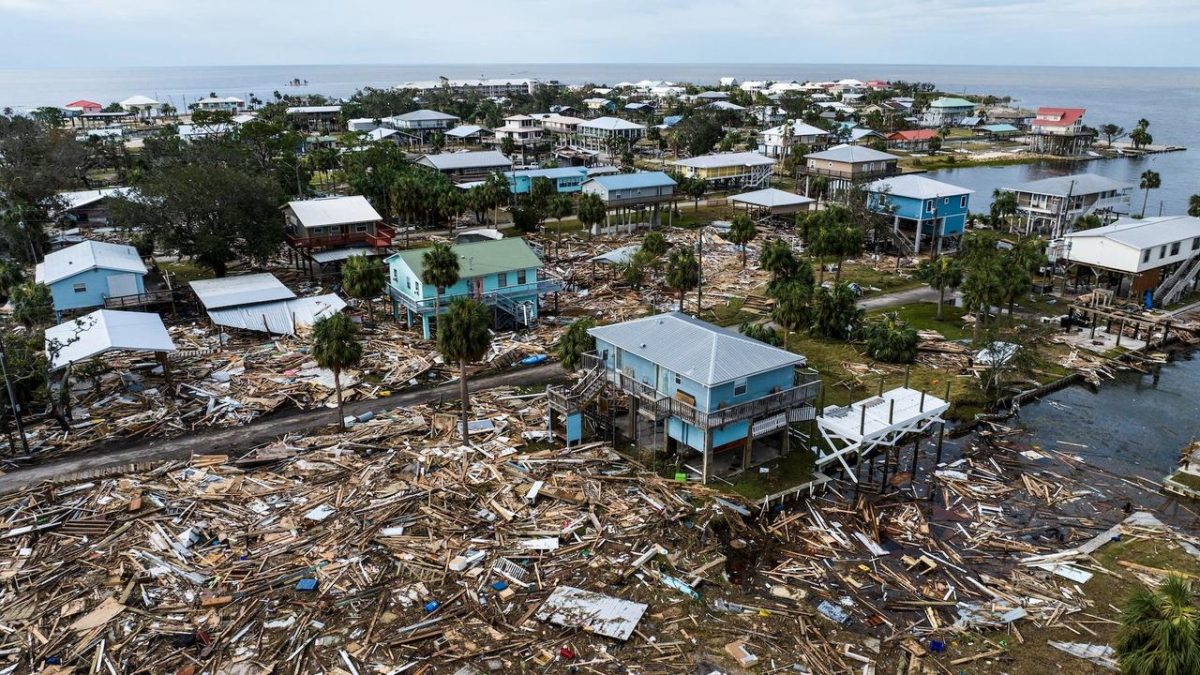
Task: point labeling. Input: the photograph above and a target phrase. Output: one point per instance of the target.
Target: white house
(778, 141)
(947, 111)
(226, 104)
(1159, 254)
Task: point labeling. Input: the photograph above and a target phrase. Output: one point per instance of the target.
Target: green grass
(923, 316)
(792, 469)
(955, 161)
(184, 271)
(867, 276)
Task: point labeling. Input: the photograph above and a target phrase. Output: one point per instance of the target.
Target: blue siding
(565, 180)
(953, 210)
(95, 284)
(408, 284)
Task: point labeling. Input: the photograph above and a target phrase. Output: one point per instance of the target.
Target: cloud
(186, 32)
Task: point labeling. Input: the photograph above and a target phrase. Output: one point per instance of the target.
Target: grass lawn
(1107, 591)
(792, 469)
(923, 316)
(868, 277)
(184, 271)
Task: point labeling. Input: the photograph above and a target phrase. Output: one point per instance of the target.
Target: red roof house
(84, 105)
(1058, 118)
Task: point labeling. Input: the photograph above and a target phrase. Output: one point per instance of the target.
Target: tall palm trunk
(1145, 199)
(681, 299)
(462, 392)
(337, 384)
(941, 297)
(837, 275)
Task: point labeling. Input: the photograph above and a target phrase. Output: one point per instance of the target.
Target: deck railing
(139, 299)
(660, 406)
(498, 296)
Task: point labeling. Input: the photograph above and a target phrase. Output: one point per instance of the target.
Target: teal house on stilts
(502, 274)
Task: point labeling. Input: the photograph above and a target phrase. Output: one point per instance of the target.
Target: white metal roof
(700, 351)
(138, 101)
(466, 160)
(601, 614)
(423, 116)
(465, 130)
(105, 330)
(878, 415)
(247, 289)
(726, 159)
(86, 256)
(1145, 233)
(798, 129)
(334, 211)
(78, 198)
(313, 109)
(917, 187)
(280, 317)
(852, 154)
(771, 198)
(611, 124)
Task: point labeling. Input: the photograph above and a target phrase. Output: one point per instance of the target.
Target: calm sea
(1168, 97)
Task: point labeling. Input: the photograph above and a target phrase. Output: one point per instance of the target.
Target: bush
(891, 340)
(762, 333)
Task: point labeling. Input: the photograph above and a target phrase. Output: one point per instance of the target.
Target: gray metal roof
(466, 160)
(611, 124)
(917, 187)
(106, 330)
(280, 317)
(1079, 184)
(771, 198)
(628, 181)
(247, 289)
(726, 159)
(700, 351)
(334, 211)
(423, 115)
(852, 154)
(88, 255)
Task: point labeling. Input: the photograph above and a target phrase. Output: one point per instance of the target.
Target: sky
(120, 33)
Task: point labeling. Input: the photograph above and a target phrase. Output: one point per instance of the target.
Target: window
(962, 202)
(946, 201)
(1196, 243)
(1146, 256)
(80, 288)
(678, 380)
(1162, 252)
(929, 206)
(502, 279)
(417, 287)
(521, 277)
(360, 227)
(739, 387)
(408, 283)
(1175, 248)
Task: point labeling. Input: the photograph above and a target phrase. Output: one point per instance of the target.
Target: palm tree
(1004, 204)
(818, 186)
(982, 288)
(440, 271)
(942, 273)
(654, 244)
(33, 305)
(1194, 206)
(793, 306)
(406, 197)
(683, 273)
(364, 278)
(464, 337)
(742, 232)
(1140, 137)
(1160, 630)
(1150, 181)
(336, 347)
(780, 261)
(575, 343)
(892, 340)
(837, 316)
(592, 211)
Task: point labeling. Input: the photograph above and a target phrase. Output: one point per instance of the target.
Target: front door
(477, 287)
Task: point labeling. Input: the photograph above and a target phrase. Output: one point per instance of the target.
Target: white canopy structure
(102, 331)
(877, 422)
(774, 200)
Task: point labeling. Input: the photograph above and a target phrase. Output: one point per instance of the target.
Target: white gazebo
(142, 106)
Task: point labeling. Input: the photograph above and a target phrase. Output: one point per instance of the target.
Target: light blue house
(716, 393)
(501, 273)
(566, 179)
(921, 208)
(83, 275)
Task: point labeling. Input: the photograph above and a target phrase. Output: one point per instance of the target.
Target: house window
(962, 202)
(946, 201)
(1196, 243)
(80, 288)
(1175, 248)
(929, 206)
(502, 279)
(1162, 252)
(521, 277)
(360, 227)
(408, 283)
(739, 387)
(417, 287)
(678, 379)
(1146, 256)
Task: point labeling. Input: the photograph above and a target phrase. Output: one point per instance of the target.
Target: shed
(102, 331)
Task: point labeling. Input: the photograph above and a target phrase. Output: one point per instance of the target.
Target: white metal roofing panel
(771, 197)
(78, 198)
(247, 289)
(105, 330)
(334, 211)
(917, 187)
(465, 130)
(281, 317)
(611, 124)
(601, 614)
(1146, 233)
(424, 115)
(1080, 184)
(697, 350)
(89, 255)
(467, 160)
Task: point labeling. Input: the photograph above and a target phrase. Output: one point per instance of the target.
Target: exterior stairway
(1173, 286)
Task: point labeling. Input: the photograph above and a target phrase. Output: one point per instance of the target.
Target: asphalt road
(238, 440)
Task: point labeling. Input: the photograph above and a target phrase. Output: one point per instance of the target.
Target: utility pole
(12, 399)
(699, 270)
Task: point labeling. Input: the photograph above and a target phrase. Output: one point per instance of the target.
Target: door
(477, 287)
(122, 284)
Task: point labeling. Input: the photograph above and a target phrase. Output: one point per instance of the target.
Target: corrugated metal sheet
(86, 256)
(282, 317)
(247, 289)
(601, 614)
(105, 330)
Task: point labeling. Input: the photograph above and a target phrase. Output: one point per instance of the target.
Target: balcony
(381, 238)
(425, 306)
(139, 299)
(658, 406)
(889, 170)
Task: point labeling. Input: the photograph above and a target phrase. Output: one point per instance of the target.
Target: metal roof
(559, 172)
(478, 258)
(313, 109)
(597, 613)
(334, 211)
(724, 105)
(852, 154)
(917, 187)
(700, 351)
(952, 102)
(611, 124)
(78, 198)
(771, 198)
(281, 317)
(336, 254)
(617, 256)
(466, 160)
(105, 330)
(423, 115)
(1145, 233)
(726, 159)
(465, 130)
(1079, 184)
(798, 129)
(86, 256)
(247, 289)
(627, 181)
(139, 100)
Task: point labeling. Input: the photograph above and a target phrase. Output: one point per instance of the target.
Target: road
(238, 440)
(904, 297)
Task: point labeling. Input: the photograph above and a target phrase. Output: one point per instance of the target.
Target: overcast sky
(98, 33)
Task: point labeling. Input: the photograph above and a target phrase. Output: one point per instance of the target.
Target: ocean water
(1168, 97)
